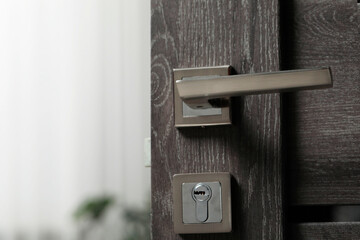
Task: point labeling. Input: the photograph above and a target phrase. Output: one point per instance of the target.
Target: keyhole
(201, 193)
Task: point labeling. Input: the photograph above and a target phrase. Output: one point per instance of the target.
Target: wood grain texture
(201, 33)
(323, 127)
(326, 231)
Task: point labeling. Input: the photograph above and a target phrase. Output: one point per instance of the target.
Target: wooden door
(313, 135)
(323, 127)
(200, 33)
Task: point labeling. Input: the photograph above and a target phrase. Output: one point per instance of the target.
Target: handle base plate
(189, 117)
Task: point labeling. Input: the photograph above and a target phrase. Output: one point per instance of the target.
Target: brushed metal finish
(196, 92)
(201, 193)
(196, 112)
(184, 117)
(184, 213)
(212, 203)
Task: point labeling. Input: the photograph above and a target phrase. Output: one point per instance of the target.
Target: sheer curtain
(74, 110)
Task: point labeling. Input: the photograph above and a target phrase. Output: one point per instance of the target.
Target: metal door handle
(202, 95)
(207, 91)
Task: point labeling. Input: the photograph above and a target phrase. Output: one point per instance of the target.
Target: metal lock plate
(201, 202)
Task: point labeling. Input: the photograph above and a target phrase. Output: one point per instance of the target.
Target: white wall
(74, 108)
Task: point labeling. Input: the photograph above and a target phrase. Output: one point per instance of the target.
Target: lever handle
(198, 91)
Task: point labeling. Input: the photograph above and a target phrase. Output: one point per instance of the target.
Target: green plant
(138, 223)
(93, 208)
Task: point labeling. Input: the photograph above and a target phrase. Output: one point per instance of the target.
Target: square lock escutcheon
(202, 203)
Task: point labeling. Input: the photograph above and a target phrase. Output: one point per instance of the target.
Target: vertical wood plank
(324, 126)
(201, 33)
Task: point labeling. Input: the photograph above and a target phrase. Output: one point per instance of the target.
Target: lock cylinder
(201, 193)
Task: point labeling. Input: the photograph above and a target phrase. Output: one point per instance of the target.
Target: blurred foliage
(138, 223)
(93, 208)
(137, 219)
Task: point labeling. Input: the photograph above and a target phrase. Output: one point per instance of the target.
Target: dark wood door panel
(326, 231)
(323, 127)
(201, 33)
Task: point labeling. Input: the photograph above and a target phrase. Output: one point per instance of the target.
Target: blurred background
(74, 113)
